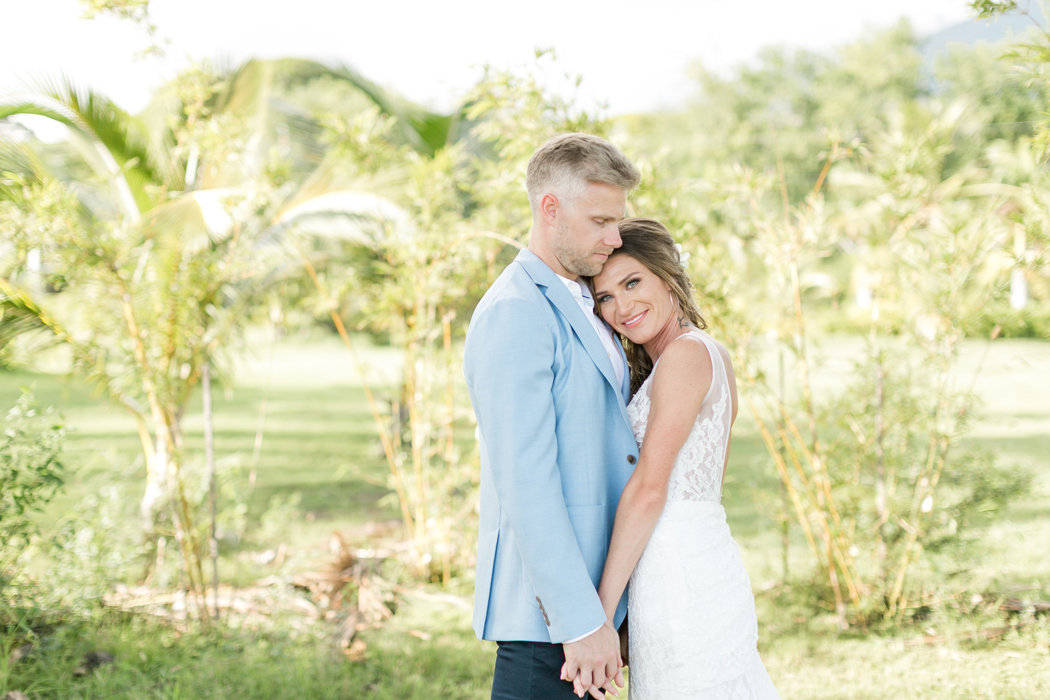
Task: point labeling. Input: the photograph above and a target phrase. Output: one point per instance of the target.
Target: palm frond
(332, 176)
(359, 216)
(16, 109)
(192, 221)
(18, 157)
(20, 161)
(253, 96)
(28, 166)
(101, 122)
(20, 315)
(164, 109)
(423, 130)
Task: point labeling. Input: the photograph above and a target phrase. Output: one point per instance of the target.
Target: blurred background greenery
(239, 458)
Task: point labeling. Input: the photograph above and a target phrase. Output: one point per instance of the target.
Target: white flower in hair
(683, 257)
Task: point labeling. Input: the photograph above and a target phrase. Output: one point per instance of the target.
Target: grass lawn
(299, 460)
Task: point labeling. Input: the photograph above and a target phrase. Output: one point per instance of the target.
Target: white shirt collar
(582, 295)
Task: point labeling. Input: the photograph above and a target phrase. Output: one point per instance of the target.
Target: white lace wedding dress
(693, 629)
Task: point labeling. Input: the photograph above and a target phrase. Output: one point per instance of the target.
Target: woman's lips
(634, 320)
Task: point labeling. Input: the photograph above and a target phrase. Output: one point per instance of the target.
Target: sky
(629, 59)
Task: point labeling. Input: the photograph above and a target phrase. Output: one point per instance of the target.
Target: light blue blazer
(556, 451)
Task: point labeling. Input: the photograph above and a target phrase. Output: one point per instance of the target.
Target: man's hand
(594, 662)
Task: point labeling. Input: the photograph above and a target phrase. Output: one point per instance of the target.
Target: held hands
(594, 663)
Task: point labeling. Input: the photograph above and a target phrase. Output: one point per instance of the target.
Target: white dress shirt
(582, 294)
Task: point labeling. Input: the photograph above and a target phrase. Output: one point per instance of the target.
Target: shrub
(29, 470)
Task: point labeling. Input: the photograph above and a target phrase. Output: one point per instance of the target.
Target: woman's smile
(634, 320)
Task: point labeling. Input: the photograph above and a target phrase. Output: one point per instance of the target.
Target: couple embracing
(604, 412)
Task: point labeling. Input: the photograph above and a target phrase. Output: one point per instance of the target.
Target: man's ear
(549, 207)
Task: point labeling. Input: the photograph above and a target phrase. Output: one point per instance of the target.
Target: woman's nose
(622, 305)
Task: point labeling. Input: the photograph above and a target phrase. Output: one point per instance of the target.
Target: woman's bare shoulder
(685, 358)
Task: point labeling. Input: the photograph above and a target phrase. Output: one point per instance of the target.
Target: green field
(295, 417)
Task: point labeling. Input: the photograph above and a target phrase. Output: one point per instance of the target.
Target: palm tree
(162, 230)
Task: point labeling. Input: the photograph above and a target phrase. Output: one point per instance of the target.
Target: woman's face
(632, 299)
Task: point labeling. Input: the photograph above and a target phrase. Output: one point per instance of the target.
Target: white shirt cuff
(570, 641)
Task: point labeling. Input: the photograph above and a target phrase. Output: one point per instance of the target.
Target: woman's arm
(680, 382)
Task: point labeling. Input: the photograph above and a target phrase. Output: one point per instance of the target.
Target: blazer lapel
(559, 295)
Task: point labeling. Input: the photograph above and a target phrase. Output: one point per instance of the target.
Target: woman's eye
(631, 284)
(603, 298)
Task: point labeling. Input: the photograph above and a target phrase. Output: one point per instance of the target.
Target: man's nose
(611, 236)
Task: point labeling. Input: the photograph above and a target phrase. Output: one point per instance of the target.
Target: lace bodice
(697, 473)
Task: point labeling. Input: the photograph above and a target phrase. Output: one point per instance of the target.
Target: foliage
(134, 10)
(317, 444)
(161, 253)
(31, 473)
(1031, 55)
(874, 470)
(915, 230)
(843, 190)
(990, 8)
(1029, 322)
(768, 127)
(84, 556)
(428, 654)
(777, 115)
(460, 211)
(1005, 103)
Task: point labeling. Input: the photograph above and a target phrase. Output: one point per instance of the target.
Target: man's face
(586, 229)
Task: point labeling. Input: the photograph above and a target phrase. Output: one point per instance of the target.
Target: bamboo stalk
(213, 497)
(384, 436)
(778, 461)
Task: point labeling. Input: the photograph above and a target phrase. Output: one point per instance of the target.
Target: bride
(692, 625)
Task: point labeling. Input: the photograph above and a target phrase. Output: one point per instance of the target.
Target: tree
(157, 241)
(874, 469)
(464, 215)
(1031, 55)
(778, 114)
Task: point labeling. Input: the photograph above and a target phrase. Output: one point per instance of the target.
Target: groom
(548, 384)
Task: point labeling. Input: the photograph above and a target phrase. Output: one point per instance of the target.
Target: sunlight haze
(630, 59)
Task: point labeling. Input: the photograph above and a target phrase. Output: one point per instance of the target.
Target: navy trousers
(530, 671)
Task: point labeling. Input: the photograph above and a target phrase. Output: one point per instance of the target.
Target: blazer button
(631, 459)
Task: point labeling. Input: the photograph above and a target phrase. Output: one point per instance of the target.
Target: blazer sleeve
(509, 362)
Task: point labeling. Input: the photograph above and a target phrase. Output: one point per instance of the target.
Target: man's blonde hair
(567, 163)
